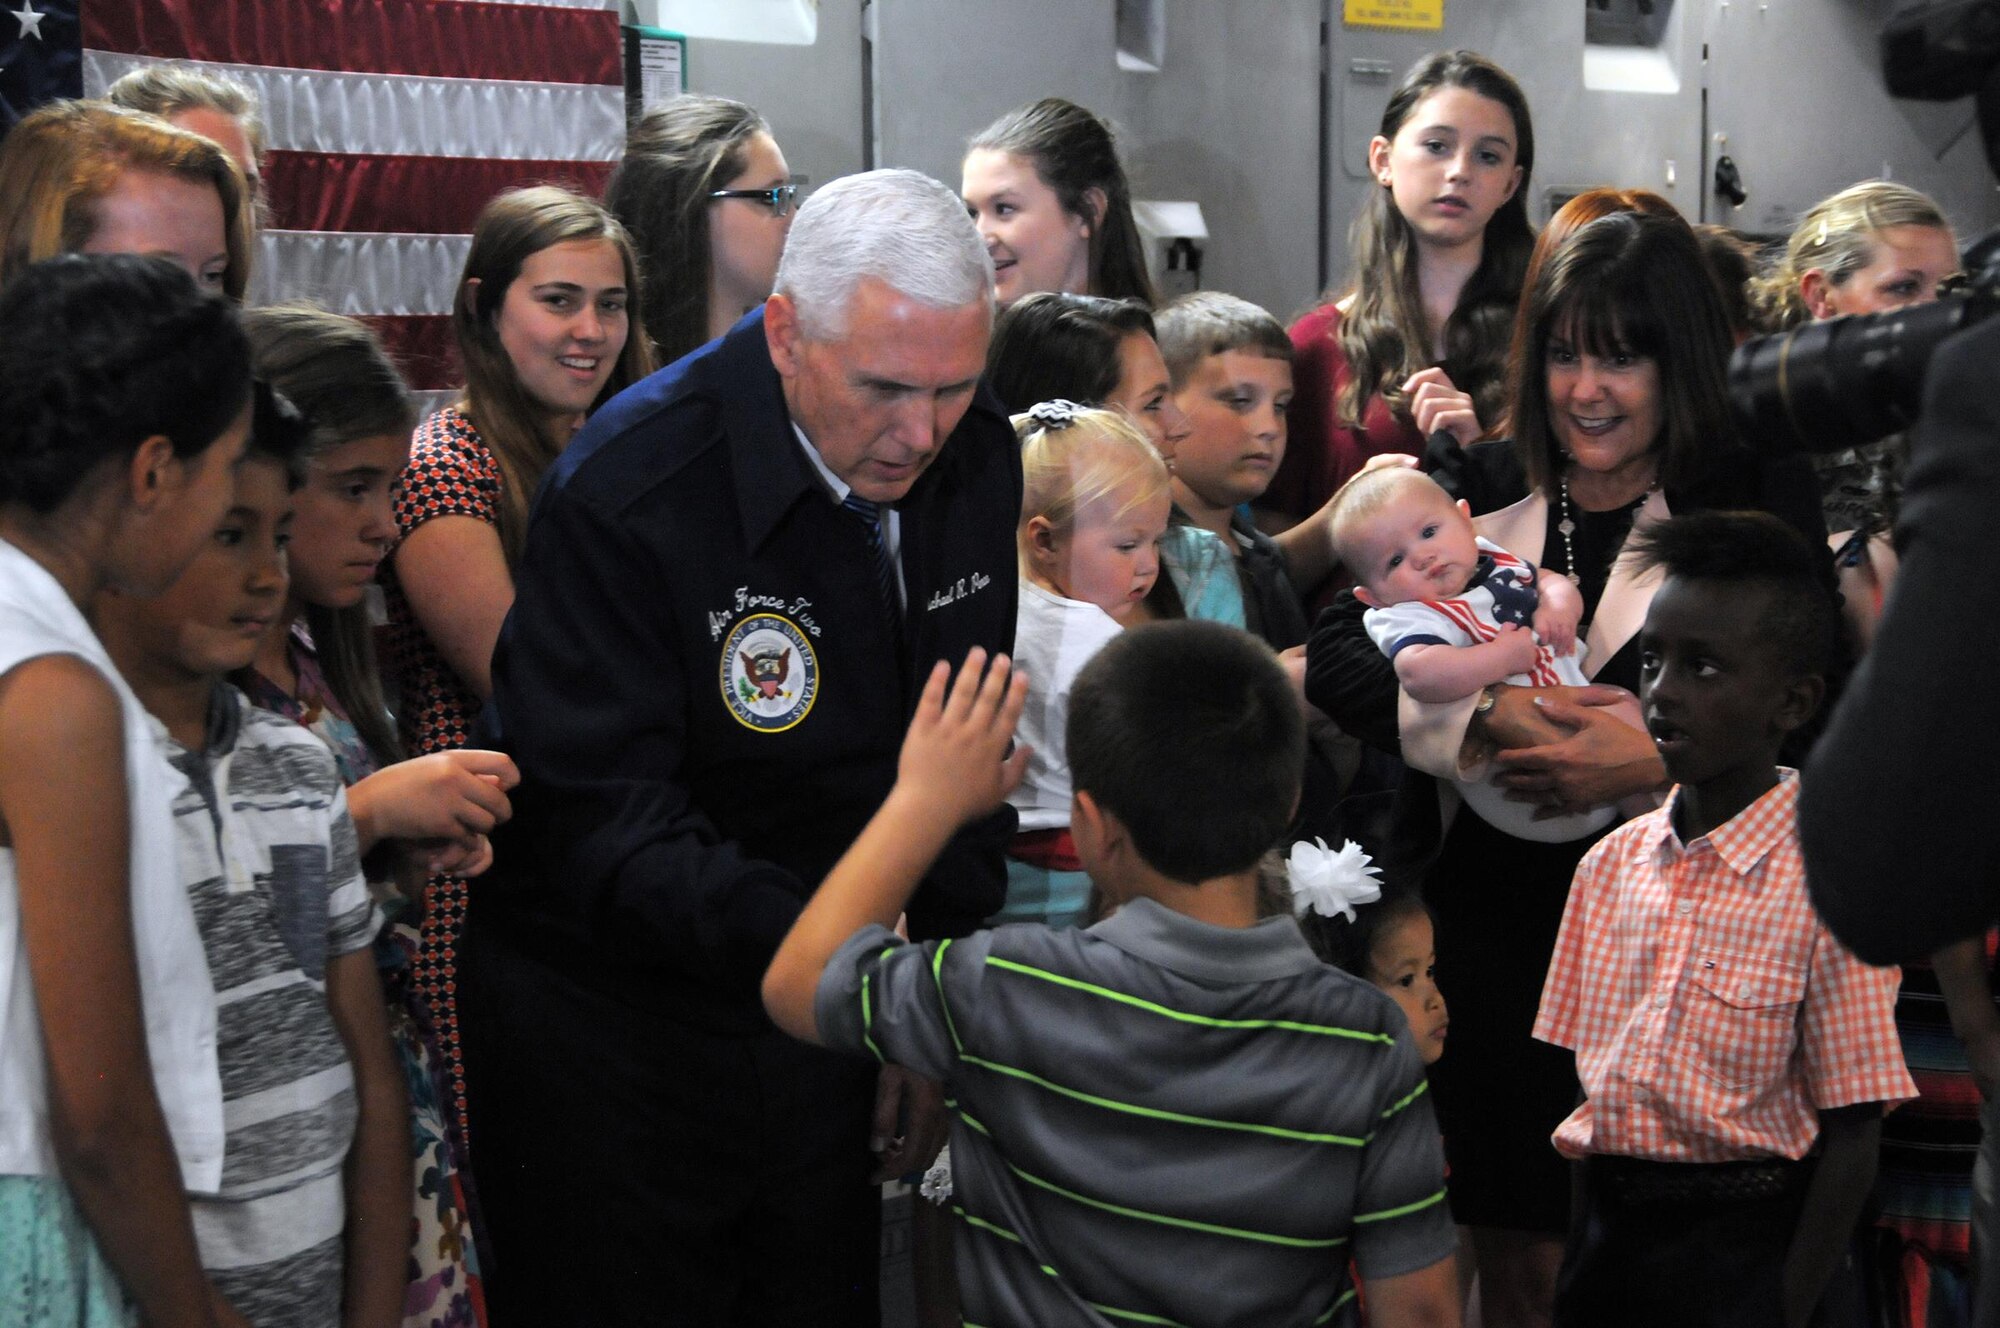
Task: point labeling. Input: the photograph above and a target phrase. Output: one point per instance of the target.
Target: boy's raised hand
(955, 758)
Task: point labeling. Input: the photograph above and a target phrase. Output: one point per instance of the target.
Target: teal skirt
(1042, 894)
(51, 1274)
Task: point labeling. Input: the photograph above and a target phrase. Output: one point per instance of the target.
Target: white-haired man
(735, 582)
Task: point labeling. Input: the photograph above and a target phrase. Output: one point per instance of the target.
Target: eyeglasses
(778, 197)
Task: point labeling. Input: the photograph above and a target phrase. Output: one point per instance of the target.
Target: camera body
(1838, 383)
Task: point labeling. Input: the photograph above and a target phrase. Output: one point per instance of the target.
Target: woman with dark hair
(1418, 341)
(1620, 416)
(1086, 349)
(1049, 194)
(707, 198)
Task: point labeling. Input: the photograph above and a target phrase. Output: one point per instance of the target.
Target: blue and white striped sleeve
(352, 918)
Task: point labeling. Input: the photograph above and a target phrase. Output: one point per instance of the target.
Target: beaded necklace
(1567, 526)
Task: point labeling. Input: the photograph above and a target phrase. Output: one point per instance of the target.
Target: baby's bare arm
(1439, 674)
(1559, 611)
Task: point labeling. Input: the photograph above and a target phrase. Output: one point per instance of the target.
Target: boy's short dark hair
(1755, 549)
(1190, 734)
(1206, 323)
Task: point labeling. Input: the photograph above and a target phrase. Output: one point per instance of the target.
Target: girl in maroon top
(1419, 341)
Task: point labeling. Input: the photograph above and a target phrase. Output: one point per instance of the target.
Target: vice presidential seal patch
(770, 676)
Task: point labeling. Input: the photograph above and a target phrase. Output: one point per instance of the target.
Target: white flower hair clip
(1057, 414)
(1329, 881)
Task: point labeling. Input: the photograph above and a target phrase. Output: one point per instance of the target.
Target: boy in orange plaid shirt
(1720, 1031)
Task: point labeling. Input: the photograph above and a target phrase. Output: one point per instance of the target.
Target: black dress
(1499, 900)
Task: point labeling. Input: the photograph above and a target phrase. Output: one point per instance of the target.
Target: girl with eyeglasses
(707, 197)
(1419, 340)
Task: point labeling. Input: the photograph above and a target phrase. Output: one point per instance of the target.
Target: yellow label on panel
(1395, 13)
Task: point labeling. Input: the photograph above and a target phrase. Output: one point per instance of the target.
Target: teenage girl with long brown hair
(1419, 340)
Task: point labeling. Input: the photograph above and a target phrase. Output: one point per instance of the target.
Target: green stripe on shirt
(1185, 1223)
(1404, 1211)
(1156, 1113)
(937, 976)
(1130, 1316)
(1423, 1086)
(1202, 1020)
(868, 1010)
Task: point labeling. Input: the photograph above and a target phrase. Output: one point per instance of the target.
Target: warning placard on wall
(1421, 14)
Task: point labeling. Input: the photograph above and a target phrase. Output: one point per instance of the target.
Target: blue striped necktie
(870, 516)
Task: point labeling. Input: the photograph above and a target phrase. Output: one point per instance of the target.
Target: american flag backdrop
(388, 124)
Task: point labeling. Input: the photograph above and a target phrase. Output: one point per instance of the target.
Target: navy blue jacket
(700, 683)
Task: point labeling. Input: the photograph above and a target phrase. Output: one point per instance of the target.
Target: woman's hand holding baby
(1600, 759)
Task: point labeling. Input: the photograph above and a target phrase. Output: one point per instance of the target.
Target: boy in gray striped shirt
(1178, 1116)
(310, 1228)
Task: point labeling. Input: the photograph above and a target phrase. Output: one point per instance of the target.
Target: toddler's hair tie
(1057, 414)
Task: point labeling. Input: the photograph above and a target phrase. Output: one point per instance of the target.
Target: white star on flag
(30, 21)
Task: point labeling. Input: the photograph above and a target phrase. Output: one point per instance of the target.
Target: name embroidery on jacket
(963, 588)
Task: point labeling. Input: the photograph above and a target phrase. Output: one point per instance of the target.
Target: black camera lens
(1842, 382)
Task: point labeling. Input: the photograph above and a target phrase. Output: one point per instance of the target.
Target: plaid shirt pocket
(1741, 1022)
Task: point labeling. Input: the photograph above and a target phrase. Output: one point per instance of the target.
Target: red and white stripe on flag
(389, 124)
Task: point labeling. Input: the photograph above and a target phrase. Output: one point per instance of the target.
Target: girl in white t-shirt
(125, 403)
(1095, 506)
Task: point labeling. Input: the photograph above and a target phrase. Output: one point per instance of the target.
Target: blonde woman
(84, 177)
(1872, 247)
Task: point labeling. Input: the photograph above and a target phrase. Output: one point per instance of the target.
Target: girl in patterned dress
(412, 816)
(543, 331)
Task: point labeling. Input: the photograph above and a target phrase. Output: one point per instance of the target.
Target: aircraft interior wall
(1235, 117)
